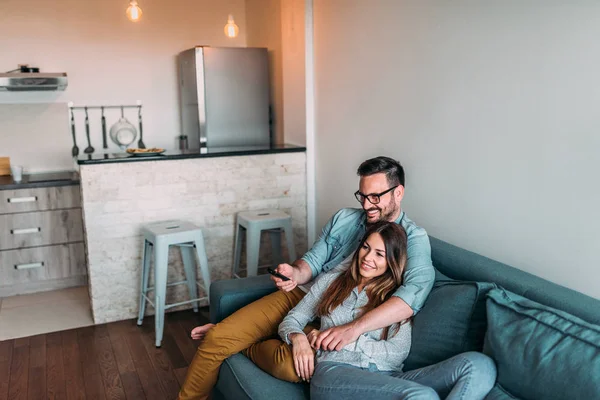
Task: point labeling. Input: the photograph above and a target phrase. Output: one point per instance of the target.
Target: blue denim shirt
(341, 236)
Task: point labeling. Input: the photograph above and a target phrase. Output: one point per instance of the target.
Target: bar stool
(250, 224)
(161, 235)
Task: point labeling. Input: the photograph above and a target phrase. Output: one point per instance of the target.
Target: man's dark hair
(390, 167)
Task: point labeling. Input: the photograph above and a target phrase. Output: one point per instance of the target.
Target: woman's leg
(257, 321)
(275, 357)
(335, 381)
(468, 376)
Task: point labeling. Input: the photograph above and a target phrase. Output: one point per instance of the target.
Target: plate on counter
(155, 151)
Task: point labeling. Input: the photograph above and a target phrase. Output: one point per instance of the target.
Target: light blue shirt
(369, 348)
(341, 236)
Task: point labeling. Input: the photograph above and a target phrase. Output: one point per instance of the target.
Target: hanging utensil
(123, 133)
(141, 144)
(89, 149)
(75, 150)
(104, 139)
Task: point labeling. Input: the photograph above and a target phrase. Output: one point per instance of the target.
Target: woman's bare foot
(199, 332)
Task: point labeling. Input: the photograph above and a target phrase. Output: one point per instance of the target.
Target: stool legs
(189, 266)
(276, 245)
(289, 236)
(252, 249)
(161, 264)
(203, 261)
(147, 253)
(237, 253)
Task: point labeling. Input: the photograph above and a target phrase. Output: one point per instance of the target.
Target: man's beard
(384, 216)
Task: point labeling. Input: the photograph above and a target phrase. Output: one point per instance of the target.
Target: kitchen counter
(67, 178)
(208, 190)
(102, 158)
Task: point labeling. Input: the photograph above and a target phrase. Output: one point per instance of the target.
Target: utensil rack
(104, 107)
(138, 106)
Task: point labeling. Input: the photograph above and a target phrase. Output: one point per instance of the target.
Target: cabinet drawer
(39, 199)
(41, 263)
(40, 228)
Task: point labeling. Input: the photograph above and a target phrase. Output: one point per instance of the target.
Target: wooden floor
(111, 361)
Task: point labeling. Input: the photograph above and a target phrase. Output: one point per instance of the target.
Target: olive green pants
(252, 328)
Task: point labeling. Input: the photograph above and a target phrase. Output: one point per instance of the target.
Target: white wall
(279, 26)
(110, 60)
(491, 106)
(263, 19)
(293, 59)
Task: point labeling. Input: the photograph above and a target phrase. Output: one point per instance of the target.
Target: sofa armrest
(228, 296)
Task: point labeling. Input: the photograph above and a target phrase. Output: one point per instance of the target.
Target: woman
(372, 366)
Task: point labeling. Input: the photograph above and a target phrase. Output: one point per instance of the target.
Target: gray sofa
(544, 338)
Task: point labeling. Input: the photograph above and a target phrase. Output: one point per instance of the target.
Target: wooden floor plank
(180, 375)
(182, 338)
(170, 346)
(55, 375)
(117, 333)
(143, 365)
(114, 361)
(19, 370)
(129, 377)
(160, 360)
(92, 378)
(75, 386)
(37, 368)
(108, 364)
(6, 351)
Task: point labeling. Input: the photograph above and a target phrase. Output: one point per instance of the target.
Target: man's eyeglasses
(374, 198)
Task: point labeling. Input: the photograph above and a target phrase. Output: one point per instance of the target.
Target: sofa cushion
(541, 352)
(451, 322)
(240, 379)
(498, 393)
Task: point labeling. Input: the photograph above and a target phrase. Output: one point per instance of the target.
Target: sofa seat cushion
(452, 321)
(541, 352)
(498, 393)
(240, 379)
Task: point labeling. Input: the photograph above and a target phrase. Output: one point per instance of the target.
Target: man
(380, 193)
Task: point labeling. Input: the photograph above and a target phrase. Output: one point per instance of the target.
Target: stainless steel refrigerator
(225, 96)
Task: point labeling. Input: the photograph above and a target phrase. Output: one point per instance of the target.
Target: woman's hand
(312, 338)
(199, 332)
(304, 358)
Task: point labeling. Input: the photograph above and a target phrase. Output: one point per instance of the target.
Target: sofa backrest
(461, 264)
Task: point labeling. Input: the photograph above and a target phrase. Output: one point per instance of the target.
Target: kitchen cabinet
(41, 240)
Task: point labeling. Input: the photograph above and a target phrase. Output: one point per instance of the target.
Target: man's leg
(275, 357)
(334, 381)
(255, 322)
(468, 375)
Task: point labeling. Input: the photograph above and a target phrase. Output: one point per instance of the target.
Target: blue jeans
(468, 376)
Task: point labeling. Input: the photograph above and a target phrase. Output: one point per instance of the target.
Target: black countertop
(67, 178)
(101, 158)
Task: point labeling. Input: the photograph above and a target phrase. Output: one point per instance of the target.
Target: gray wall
(493, 107)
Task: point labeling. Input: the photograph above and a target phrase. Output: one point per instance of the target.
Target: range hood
(32, 81)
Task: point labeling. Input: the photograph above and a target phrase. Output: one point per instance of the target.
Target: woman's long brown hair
(378, 289)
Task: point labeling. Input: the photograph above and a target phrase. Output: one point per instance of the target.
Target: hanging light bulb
(134, 12)
(231, 29)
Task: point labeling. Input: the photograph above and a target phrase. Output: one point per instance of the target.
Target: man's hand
(304, 358)
(286, 270)
(337, 337)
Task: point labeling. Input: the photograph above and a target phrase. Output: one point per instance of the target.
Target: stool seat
(158, 236)
(261, 215)
(173, 231)
(250, 224)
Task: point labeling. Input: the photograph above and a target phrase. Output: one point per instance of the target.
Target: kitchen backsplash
(36, 136)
